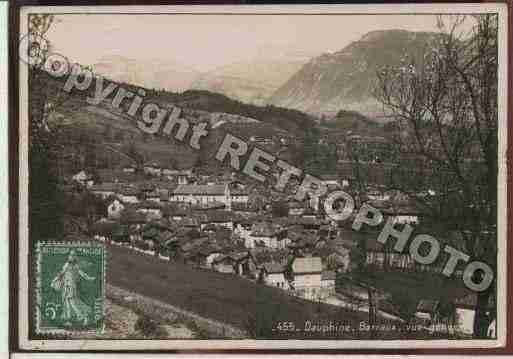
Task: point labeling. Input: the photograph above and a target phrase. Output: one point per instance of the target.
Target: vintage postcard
(261, 177)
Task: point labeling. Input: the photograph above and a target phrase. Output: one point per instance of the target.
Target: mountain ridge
(344, 79)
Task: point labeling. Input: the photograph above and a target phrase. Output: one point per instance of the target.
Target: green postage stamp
(70, 287)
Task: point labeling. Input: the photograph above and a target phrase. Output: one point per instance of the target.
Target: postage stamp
(70, 289)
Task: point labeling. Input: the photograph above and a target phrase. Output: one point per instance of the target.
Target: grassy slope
(224, 297)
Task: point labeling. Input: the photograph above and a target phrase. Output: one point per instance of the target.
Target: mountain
(155, 74)
(345, 79)
(251, 82)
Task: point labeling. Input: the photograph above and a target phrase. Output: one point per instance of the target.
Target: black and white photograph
(262, 177)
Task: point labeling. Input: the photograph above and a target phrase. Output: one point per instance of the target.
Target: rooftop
(211, 190)
(273, 267)
(307, 265)
(328, 275)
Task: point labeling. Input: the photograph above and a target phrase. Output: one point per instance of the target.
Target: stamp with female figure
(70, 290)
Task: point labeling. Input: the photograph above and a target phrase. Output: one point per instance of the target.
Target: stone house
(307, 276)
(273, 274)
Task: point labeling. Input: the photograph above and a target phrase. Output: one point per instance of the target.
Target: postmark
(70, 288)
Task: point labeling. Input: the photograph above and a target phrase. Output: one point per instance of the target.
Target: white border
(501, 9)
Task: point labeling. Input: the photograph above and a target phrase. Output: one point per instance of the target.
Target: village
(224, 223)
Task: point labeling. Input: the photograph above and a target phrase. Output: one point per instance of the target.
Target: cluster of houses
(222, 224)
(288, 255)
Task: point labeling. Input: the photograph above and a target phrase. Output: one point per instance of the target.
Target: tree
(405, 304)
(46, 204)
(445, 106)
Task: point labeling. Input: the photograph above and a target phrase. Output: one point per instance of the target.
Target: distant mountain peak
(345, 79)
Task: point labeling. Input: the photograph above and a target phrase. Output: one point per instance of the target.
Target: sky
(205, 42)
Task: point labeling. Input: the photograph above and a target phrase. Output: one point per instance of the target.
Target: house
(184, 176)
(190, 223)
(307, 274)
(218, 219)
(202, 194)
(128, 195)
(239, 195)
(296, 208)
(330, 181)
(152, 208)
(328, 282)
(211, 256)
(273, 274)
(245, 264)
(104, 190)
(83, 178)
(378, 196)
(153, 196)
(129, 168)
(309, 221)
(174, 212)
(224, 264)
(109, 175)
(282, 241)
(427, 309)
(262, 233)
(115, 208)
(168, 171)
(380, 257)
(261, 140)
(133, 218)
(152, 168)
(405, 219)
(466, 311)
(178, 176)
(245, 209)
(103, 229)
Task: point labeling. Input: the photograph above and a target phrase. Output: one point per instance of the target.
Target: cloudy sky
(208, 41)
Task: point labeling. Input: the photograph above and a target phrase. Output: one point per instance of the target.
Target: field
(223, 297)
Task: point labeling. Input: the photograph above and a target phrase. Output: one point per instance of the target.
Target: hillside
(110, 128)
(355, 123)
(254, 308)
(345, 79)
